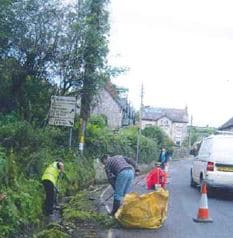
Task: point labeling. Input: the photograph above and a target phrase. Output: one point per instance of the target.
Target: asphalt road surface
(184, 203)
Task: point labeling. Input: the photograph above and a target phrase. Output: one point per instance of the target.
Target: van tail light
(210, 166)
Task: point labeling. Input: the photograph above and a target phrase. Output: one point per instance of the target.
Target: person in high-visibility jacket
(49, 180)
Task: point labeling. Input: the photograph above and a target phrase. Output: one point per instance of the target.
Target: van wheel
(192, 183)
(200, 184)
(210, 190)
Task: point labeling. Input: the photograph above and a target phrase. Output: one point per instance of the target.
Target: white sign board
(62, 111)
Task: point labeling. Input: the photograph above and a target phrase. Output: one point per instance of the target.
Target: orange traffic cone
(203, 214)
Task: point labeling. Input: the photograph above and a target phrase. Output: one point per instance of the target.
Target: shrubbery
(26, 151)
(159, 137)
(22, 207)
(102, 140)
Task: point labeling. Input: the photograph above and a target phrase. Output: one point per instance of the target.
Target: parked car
(214, 163)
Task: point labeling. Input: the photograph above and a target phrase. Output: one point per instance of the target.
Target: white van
(214, 162)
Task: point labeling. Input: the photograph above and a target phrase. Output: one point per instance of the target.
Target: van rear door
(201, 161)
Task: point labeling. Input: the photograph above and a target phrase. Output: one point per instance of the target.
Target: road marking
(109, 233)
(102, 200)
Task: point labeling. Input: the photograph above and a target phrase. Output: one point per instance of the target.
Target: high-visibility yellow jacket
(51, 173)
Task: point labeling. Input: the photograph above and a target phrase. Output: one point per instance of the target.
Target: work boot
(116, 205)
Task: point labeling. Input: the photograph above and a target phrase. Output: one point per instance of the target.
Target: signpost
(62, 112)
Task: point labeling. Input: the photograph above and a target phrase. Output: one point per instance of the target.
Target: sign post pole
(70, 138)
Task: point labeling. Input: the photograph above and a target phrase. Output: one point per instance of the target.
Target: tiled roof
(175, 115)
(226, 125)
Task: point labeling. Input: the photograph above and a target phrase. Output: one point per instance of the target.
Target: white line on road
(102, 200)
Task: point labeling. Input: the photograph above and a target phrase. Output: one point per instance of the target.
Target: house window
(179, 126)
(164, 123)
(179, 131)
(147, 125)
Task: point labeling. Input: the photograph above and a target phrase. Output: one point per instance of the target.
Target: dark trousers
(50, 196)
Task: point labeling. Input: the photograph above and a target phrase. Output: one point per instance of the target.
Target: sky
(180, 50)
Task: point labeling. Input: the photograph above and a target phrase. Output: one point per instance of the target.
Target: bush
(101, 140)
(26, 152)
(97, 140)
(51, 233)
(21, 208)
(159, 137)
(79, 174)
(2, 166)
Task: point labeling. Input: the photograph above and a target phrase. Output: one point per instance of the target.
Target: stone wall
(100, 175)
(110, 108)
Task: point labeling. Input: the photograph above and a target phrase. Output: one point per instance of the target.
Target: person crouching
(49, 180)
(120, 172)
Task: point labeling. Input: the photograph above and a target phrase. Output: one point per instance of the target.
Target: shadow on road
(222, 195)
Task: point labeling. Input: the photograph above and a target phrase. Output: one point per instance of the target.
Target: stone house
(227, 126)
(173, 121)
(116, 110)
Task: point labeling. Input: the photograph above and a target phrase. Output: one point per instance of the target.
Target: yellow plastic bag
(144, 211)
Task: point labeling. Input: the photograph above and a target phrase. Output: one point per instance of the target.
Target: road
(184, 203)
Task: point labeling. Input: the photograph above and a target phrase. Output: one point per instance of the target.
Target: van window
(206, 147)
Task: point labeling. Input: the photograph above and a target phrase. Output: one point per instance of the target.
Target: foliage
(48, 49)
(26, 151)
(102, 140)
(126, 144)
(51, 233)
(2, 165)
(79, 175)
(81, 208)
(34, 147)
(198, 133)
(29, 47)
(21, 207)
(98, 121)
(159, 137)
(97, 138)
(94, 22)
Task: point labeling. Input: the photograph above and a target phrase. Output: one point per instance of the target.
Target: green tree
(27, 54)
(198, 133)
(159, 136)
(94, 49)
(5, 20)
